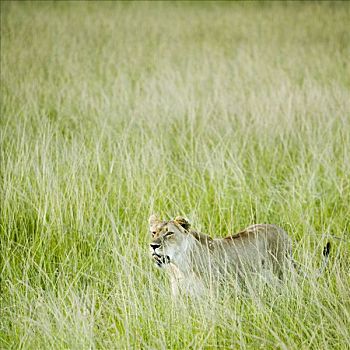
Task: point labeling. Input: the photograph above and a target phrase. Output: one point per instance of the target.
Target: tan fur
(194, 260)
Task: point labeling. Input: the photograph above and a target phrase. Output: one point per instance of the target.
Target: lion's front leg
(186, 284)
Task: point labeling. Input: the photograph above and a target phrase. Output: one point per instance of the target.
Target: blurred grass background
(227, 113)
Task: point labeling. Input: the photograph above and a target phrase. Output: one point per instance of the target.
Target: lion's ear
(153, 219)
(182, 222)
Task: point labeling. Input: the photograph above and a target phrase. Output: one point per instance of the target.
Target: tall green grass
(227, 113)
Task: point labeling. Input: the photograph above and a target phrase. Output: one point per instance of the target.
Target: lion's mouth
(160, 259)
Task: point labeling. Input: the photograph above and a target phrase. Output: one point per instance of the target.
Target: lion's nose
(154, 245)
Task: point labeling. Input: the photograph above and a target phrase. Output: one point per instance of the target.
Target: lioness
(194, 259)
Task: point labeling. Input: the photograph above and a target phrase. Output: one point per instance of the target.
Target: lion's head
(170, 239)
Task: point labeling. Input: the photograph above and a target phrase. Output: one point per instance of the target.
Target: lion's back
(256, 245)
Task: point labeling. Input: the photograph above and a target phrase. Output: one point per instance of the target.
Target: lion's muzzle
(160, 259)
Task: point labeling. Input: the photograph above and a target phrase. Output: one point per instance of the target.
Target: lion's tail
(319, 272)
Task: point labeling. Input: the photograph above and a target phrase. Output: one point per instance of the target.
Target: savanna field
(227, 113)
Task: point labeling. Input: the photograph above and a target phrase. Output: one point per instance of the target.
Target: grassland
(227, 113)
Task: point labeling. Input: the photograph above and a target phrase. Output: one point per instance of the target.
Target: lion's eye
(168, 234)
(153, 233)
